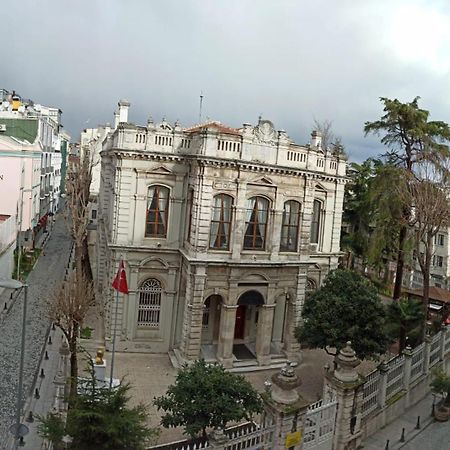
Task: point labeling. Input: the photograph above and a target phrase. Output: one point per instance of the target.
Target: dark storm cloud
(291, 61)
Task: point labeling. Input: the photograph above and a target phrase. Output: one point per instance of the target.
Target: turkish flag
(120, 280)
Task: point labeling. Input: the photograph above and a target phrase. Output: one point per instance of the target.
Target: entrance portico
(246, 325)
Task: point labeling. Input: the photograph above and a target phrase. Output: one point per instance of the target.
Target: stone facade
(222, 231)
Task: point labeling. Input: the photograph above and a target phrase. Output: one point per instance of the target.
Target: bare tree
(68, 308)
(427, 191)
(79, 179)
(330, 141)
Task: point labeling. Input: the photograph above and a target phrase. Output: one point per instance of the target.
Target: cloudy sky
(289, 60)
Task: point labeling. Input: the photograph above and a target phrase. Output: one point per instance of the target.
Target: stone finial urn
(284, 385)
(346, 361)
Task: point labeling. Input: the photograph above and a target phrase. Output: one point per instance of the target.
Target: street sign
(293, 439)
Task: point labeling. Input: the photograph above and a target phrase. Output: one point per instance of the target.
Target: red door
(240, 322)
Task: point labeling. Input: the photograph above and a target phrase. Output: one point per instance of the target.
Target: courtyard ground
(151, 374)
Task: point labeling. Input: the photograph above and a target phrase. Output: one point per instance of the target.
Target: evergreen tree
(411, 139)
(207, 396)
(100, 418)
(345, 308)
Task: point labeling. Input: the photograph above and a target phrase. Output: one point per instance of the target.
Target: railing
(239, 437)
(417, 362)
(371, 392)
(435, 349)
(319, 425)
(249, 435)
(395, 376)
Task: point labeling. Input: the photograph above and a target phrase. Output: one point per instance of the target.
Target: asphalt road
(46, 276)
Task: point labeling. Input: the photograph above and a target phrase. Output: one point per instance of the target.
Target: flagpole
(114, 340)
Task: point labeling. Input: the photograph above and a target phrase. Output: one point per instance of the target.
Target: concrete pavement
(430, 433)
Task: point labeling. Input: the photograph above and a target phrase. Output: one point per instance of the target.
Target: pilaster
(264, 334)
(226, 335)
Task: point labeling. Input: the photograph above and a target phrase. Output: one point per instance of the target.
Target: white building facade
(440, 264)
(38, 125)
(222, 231)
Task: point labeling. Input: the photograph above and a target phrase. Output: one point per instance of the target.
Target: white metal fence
(396, 375)
(371, 391)
(320, 421)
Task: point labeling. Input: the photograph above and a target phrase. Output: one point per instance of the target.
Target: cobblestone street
(46, 276)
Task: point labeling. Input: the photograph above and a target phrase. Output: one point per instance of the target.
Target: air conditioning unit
(2, 127)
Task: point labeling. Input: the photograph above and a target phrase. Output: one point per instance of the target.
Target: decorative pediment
(265, 133)
(162, 170)
(164, 126)
(320, 188)
(253, 277)
(154, 263)
(262, 181)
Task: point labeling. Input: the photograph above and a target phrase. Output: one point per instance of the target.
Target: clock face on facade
(265, 131)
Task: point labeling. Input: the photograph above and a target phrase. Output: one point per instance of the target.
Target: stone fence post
(346, 386)
(285, 409)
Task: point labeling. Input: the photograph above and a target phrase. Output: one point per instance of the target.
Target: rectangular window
(315, 222)
(219, 237)
(439, 261)
(289, 227)
(440, 239)
(157, 211)
(94, 214)
(256, 223)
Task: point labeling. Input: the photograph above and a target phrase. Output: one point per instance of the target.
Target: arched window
(256, 223)
(310, 286)
(205, 317)
(315, 222)
(289, 228)
(219, 236)
(149, 303)
(157, 211)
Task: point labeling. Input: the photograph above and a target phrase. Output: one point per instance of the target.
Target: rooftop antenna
(201, 106)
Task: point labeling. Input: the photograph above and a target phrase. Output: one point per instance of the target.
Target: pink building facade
(20, 173)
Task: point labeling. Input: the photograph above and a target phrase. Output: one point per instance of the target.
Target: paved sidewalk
(408, 421)
(47, 391)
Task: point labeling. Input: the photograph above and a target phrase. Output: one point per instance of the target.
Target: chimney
(316, 139)
(123, 110)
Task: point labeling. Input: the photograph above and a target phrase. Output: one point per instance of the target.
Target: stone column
(285, 409)
(226, 335)
(294, 317)
(264, 334)
(346, 385)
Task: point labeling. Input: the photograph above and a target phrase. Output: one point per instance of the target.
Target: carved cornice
(210, 161)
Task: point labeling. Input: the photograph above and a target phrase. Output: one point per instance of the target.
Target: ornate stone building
(222, 231)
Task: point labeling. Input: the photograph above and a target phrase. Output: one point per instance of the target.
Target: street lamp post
(19, 429)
